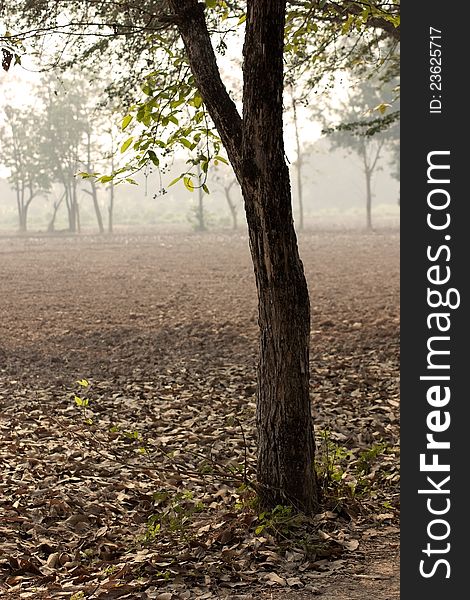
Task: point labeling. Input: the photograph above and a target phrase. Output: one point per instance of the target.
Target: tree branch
(191, 23)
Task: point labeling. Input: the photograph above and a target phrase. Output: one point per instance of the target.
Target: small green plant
(331, 463)
(153, 528)
(83, 402)
(174, 513)
(368, 457)
(110, 569)
(347, 475)
(281, 521)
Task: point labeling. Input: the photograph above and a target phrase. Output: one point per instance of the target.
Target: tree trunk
(20, 193)
(255, 148)
(23, 219)
(94, 191)
(76, 208)
(201, 225)
(111, 207)
(71, 214)
(94, 196)
(368, 200)
(111, 194)
(77, 217)
(370, 163)
(51, 225)
(231, 204)
(298, 166)
(285, 434)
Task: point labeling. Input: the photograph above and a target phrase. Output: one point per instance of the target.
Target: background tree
(225, 180)
(364, 132)
(299, 160)
(93, 191)
(63, 128)
(73, 140)
(112, 153)
(19, 153)
(199, 208)
(228, 188)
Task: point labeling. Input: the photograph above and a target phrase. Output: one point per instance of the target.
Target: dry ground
(164, 327)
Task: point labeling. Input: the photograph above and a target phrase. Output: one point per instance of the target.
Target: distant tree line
(45, 144)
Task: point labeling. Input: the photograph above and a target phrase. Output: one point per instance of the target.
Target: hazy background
(334, 193)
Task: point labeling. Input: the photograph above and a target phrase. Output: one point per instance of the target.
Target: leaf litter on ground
(142, 492)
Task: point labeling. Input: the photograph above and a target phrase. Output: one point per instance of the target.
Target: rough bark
(285, 433)
(255, 149)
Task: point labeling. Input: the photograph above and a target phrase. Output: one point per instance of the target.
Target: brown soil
(172, 319)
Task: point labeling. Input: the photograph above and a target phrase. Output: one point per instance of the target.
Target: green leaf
(347, 25)
(175, 181)
(186, 143)
(221, 159)
(106, 178)
(126, 144)
(205, 188)
(81, 401)
(153, 157)
(132, 181)
(83, 383)
(188, 184)
(125, 122)
(382, 107)
(176, 103)
(241, 20)
(197, 101)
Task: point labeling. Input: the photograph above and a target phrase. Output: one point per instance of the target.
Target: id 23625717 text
(435, 71)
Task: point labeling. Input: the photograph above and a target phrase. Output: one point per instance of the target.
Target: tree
(226, 181)
(70, 143)
(231, 204)
(63, 129)
(365, 135)
(111, 183)
(255, 149)
(55, 208)
(199, 212)
(19, 153)
(93, 191)
(298, 162)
